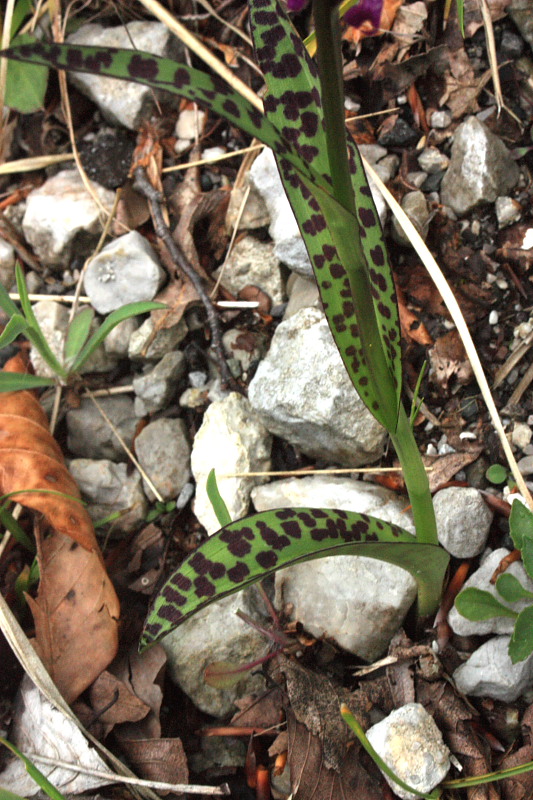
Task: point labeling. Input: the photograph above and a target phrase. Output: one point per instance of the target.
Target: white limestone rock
(121, 102)
(231, 439)
(302, 393)
(356, 601)
(62, 219)
(125, 271)
(410, 743)
(489, 672)
(463, 521)
(163, 451)
(109, 488)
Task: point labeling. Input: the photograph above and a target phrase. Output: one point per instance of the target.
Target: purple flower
(365, 10)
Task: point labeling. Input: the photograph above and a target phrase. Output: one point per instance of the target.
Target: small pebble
(493, 317)
(440, 119)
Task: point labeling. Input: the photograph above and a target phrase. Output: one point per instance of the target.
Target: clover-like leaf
(520, 524)
(476, 605)
(510, 588)
(253, 548)
(521, 644)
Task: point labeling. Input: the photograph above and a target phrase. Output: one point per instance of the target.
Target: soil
(493, 285)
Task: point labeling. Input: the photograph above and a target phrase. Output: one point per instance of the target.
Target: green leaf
(26, 83)
(292, 103)
(7, 795)
(35, 773)
(521, 644)
(77, 333)
(33, 331)
(23, 8)
(520, 524)
(255, 547)
(6, 303)
(225, 674)
(15, 382)
(14, 328)
(527, 555)
(497, 473)
(216, 500)
(110, 322)
(13, 526)
(476, 605)
(511, 589)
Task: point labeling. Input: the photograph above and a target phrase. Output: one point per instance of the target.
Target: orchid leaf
(16, 381)
(162, 73)
(77, 333)
(293, 105)
(253, 548)
(15, 326)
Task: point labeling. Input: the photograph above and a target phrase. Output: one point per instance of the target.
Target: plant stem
(329, 58)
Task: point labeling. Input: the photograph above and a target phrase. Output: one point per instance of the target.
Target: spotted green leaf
(293, 104)
(253, 548)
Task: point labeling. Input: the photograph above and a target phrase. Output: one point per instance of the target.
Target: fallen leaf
(461, 86)
(113, 702)
(157, 760)
(38, 727)
(520, 787)
(444, 468)
(76, 614)
(448, 360)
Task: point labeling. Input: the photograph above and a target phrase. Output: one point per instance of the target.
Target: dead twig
(143, 185)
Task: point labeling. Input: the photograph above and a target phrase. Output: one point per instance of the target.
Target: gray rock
(302, 393)
(520, 12)
(431, 160)
(7, 265)
(357, 601)
(508, 211)
(288, 244)
(163, 451)
(480, 579)
(410, 743)
(125, 271)
(120, 102)
(416, 178)
(480, 170)
(415, 206)
(489, 672)
(109, 489)
(463, 521)
(525, 465)
(149, 344)
(255, 214)
(155, 387)
(62, 218)
(246, 347)
(388, 167)
(252, 262)
(440, 119)
(231, 439)
(216, 634)
(89, 434)
(117, 342)
(53, 319)
(372, 152)
(218, 753)
(303, 293)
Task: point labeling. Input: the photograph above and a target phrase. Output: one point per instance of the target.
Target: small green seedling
(477, 604)
(160, 508)
(41, 780)
(497, 474)
(80, 343)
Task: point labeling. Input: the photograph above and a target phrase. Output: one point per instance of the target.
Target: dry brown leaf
(448, 360)
(461, 87)
(143, 675)
(113, 702)
(76, 614)
(444, 468)
(157, 759)
(30, 459)
(521, 786)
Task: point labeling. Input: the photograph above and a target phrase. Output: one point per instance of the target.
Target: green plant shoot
(326, 185)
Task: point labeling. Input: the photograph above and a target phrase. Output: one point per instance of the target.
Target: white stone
(289, 246)
(411, 745)
(302, 393)
(415, 206)
(480, 579)
(123, 102)
(163, 450)
(109, 488)
(7, 264)
(508, 211)
(481, 168)
(149, 344)
(62, 218)
(117, 342)
(156, 386)
(231, 439)
(489, 672)
(521, 435)
(432, 160)
(356, 601)
(53, 319)
(252, 262)
(217, 634)
(125, 271)
(463, 521)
